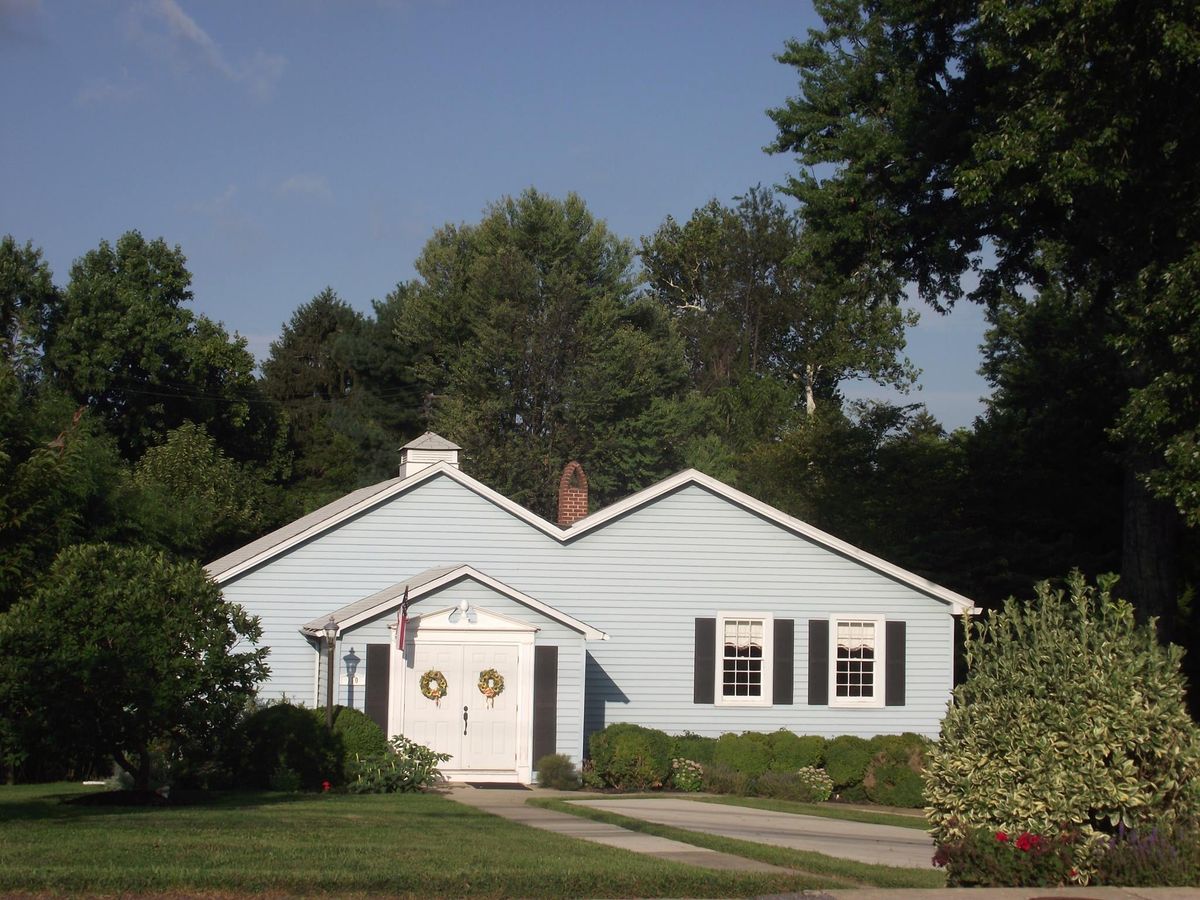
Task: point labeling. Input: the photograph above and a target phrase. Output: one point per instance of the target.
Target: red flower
(326, 786)
(1002, 836)
(1027, 841)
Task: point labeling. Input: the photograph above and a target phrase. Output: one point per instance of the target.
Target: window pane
(741, 672)
(855, 664)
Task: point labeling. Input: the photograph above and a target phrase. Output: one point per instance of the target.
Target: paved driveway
(888, 845)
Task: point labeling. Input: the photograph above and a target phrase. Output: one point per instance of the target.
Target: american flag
(402, 621)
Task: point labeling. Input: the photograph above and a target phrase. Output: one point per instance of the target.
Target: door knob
(464, 720)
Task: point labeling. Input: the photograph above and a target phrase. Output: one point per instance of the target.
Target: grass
(400, 845)
(881, 816)
(831, 871)
(827, 810)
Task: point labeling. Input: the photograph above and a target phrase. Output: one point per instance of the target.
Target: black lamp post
(331, 630)
(351, 660)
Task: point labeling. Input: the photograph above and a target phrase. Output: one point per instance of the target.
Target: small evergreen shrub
(557, 771)
(719, 779)
(749, 753)
(1070, 713)
(846, 761)
(807, 785)
(630, 757)
(588, 777)
(694, 747)
(687, 775)
(285, 780)
(406, 767)
(894, 776)
(359, 734)
(284, 736)
(983, 858)
(790, 751)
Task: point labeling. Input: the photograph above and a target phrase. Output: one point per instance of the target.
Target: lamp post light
(331, 630)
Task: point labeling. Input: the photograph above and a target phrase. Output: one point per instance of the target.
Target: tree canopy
(535, 350)
(1035, 146)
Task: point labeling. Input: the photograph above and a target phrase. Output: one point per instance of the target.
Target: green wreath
(433, 685)
(491, 684)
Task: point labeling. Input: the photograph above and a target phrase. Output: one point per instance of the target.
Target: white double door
(480, 735)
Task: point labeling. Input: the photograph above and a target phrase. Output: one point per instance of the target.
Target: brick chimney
(572, 494)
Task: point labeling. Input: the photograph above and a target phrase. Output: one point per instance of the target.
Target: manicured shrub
(557, 771)
(694, 747)
(749, 753)
(406, 767)
(983, 858)
(790, 751)
(283, 736)
(630, 757)
(719, 779)
(687, 775)
(1070, 713)
(588, 777)
(359, 734)
(895, 776)
(807, 785)
(846, 761)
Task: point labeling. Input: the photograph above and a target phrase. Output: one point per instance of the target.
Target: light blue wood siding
(643, 579)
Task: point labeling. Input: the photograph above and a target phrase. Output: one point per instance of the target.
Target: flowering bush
(1072, 720)
(686, 775)
(985, 858)
(816, 782)
(1168, 857)
(406, 767)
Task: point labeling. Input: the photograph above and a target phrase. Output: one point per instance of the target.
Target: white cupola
(425, 451)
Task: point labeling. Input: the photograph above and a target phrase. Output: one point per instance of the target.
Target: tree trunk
(810, 399)
(1149, 550)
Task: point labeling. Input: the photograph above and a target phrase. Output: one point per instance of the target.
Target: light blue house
(688, 606)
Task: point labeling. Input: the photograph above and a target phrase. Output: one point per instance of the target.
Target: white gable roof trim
(431, 581)
(254, 554)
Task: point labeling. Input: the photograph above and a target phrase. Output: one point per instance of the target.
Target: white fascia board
(960, 604)
(588, 632)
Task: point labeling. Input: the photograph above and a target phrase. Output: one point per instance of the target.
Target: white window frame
(877, 700)
(768, 659)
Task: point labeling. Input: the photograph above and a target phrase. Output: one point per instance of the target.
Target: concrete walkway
(510, 804)
(887, 845)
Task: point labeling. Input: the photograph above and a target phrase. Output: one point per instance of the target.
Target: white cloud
(305, 185)
(219, 205)
(166, 30)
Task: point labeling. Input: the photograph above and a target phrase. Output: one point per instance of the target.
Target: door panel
(436, 725)
(491, 739)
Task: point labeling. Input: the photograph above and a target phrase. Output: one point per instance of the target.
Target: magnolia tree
(124, 651)
(1072, 719)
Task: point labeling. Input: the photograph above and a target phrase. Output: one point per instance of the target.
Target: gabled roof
(430, 441)
(430, 581)
(258, 552)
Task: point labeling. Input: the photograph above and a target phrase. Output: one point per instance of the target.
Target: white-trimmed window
(856, 660)
(744, 659)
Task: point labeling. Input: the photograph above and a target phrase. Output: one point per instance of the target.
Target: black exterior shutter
(375, 699)
(782, 666)
(705, 666)
(818, 662)
(893, 689)
(545, 702)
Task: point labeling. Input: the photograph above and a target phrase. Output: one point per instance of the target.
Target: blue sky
(287, 145)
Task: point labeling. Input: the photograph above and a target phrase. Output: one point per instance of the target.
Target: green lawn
(883, 815)
(401, 845)
(831, 871)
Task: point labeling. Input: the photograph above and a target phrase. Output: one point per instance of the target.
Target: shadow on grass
(72, 804)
